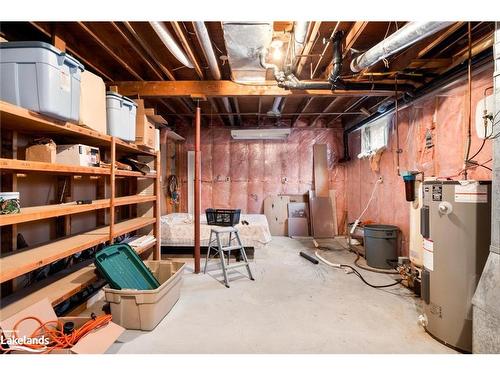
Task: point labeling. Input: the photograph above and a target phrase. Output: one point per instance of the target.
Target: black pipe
(308, 257)
(410, 96)
(326, 85)
(337, 57)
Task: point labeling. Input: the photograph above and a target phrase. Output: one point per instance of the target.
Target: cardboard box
(44, 153)
(144, 129)
(93, 102)
(82, 155)
(96, 342)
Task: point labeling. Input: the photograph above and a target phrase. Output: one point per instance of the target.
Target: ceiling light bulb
(277, 54)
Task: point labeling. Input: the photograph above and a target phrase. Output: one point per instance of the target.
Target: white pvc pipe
(409, 34)
(167, 39)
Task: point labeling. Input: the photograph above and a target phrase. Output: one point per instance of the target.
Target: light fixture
(255, 134)
(276, 46)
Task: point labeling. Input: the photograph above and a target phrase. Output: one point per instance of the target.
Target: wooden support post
(157, 208)
(113, 189)
(197, 190)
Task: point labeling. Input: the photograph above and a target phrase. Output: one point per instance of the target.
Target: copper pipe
(469, 98)
(197, 190)
(396, 125)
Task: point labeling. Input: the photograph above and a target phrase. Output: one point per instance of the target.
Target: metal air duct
(167, 39)
(403, 38)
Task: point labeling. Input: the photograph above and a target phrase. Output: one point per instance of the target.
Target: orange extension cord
(54, 331)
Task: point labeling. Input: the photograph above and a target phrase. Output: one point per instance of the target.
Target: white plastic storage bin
(144, 309)
(120, 114)
(39, 77)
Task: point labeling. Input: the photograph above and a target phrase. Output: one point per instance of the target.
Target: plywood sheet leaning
(298, 219)
(333, 205)
(276, 211)
(322, 217)
(298, 227)
(321, 178)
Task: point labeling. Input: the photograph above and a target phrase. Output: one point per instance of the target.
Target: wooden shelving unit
(62, 285)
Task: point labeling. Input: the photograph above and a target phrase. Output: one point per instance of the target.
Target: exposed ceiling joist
(441, 38)
(327, 44)
(302, 60)
(227, 88)
(136, 49)
(149, 51)
(109, 50)
(179, 31)
(328, 108)
(304, 105)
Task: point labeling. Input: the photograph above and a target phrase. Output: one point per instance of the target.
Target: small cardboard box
(96, 342)
(144, 129)
(44, 153)
(82, 155)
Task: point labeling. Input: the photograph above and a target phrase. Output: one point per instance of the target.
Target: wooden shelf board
(132, 199)
(124, 173)
(56, 288)
(53, 210)
(23, 261)
(36, 166)
(24, 120)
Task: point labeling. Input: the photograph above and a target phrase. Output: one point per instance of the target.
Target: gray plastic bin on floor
(381, 245)
(41, 78)
(121, 116)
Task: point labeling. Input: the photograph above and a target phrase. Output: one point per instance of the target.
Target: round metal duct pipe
(167, 39)
(403, 38)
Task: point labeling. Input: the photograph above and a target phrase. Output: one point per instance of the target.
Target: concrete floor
(293, 306)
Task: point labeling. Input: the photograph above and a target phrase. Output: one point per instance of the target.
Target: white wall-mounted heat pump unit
(248, 134)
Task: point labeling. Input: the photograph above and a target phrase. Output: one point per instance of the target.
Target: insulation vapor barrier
(241, 174)
(441, 120)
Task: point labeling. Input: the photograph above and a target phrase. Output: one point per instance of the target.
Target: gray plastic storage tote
(41, 78)
(120, 115)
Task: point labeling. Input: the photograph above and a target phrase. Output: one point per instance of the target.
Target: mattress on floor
(178, 230)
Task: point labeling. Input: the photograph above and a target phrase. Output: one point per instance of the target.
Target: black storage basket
(222, 217)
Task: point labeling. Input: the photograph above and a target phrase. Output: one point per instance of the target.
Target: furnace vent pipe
(169, 42)
(401, 39)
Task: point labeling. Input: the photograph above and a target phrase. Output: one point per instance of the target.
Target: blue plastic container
(39, 77)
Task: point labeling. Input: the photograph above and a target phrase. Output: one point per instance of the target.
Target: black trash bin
(381, 245)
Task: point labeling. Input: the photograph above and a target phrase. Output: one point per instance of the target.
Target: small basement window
(374, 136)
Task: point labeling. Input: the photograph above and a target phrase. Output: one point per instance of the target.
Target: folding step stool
(215, 239)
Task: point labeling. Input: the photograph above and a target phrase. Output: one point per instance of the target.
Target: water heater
(455, 225)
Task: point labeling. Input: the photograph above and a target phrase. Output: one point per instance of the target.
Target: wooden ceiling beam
(226, 88)
(327, 44)
(328, 109)
(305, 104)
(302, 60)
(348, 109)
(441, 38)
(137, 50)
(187, 47)
(149, 51)
(110, 51)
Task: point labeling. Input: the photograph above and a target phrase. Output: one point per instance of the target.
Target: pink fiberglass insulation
(442, 115)
(241, 174)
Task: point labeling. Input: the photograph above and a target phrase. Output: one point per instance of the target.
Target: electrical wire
(346, 267)
(379, 181)
(54, 331)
